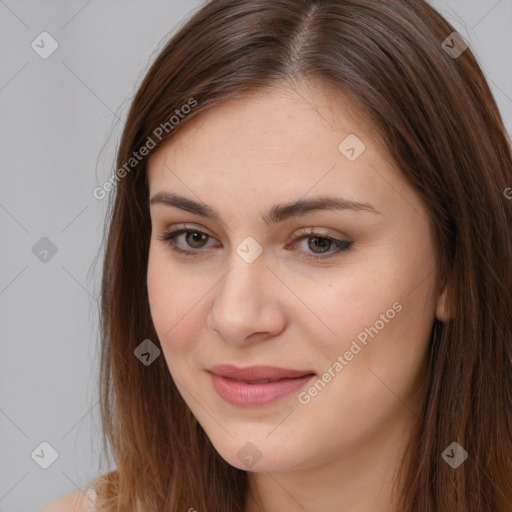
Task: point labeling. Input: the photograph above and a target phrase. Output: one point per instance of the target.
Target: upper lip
(258, 372)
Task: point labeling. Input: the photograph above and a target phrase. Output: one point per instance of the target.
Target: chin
(258, 455)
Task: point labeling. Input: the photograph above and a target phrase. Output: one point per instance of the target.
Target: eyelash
(341, 245)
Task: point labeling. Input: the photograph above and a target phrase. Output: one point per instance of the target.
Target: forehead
(273, 146)
(266, 128)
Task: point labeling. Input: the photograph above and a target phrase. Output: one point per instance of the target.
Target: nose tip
(245, 306)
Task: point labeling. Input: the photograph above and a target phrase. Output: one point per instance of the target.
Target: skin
(341, 450)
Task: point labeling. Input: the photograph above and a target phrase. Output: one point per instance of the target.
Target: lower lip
(242, 394)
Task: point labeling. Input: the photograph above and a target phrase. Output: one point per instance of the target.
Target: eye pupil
(317, 245)
(196, 237)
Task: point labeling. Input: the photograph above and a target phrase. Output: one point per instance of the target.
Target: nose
(248, 303)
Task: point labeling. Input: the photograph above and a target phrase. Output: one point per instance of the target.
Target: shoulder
(77, 501)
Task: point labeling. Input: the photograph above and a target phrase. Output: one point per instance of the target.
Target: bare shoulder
(77, 501)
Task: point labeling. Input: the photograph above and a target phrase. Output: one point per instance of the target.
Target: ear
(444, 311)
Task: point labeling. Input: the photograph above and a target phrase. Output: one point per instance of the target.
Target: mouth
(262, 381)
(256, 385)
(254, 374)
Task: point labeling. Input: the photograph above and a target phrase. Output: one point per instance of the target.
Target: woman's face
(252, 293)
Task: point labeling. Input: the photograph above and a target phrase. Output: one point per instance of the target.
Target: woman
(306, 288)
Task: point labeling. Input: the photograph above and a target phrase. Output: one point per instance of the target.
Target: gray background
(61, 119)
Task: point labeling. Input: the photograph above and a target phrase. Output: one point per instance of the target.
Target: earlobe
(444, 311)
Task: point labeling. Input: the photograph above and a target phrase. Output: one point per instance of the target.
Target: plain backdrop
(61, 118)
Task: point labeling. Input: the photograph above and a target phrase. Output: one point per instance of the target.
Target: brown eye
(321, 243)
(194, 239)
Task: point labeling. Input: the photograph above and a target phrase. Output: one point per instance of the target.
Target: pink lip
(226, 379)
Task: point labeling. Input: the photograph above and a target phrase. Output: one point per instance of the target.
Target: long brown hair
(440, 123)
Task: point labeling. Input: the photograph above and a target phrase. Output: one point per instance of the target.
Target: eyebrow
(277, 213)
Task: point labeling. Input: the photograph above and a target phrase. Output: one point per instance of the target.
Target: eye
(319, 245)
(194, 238)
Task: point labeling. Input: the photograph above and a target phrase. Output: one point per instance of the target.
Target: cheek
(168, 300)
(177, 301)
(336, 309)
(158, 286)
(370, 314)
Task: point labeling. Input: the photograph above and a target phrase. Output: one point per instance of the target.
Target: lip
(257, 372)
(234, 385)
